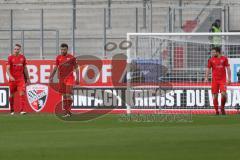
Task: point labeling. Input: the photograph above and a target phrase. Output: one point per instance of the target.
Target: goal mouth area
(182, 59)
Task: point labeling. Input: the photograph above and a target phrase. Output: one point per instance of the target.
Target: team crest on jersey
(37, 96)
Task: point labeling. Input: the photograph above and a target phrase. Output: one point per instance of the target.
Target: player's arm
(209, 66)
(11, 78)
(53, 73)
(9, 73)
(54, 70)
(26, 75)
(77, 72)
(228, 71)
(229, 75)
(25, 71)
(207, 74)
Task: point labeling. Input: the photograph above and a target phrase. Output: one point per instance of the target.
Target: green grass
(46, 137)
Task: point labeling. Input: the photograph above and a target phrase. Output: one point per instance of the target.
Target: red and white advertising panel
(102, 84)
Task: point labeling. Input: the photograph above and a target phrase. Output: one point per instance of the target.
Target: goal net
(166, 71)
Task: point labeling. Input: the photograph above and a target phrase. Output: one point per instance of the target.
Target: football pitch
(109, 138)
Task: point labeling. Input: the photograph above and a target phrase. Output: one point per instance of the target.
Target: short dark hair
(217, 49)
(18, 45)
(64, 45)
(218, 20)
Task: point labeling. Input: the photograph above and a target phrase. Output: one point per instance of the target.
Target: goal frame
(129, 60)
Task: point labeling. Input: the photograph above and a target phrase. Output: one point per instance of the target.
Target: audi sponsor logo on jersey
(37, 95)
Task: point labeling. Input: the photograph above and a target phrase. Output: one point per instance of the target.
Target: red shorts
(218, 86)
(65, 86)
(18, 85)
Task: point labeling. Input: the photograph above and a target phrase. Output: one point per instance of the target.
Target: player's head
(17, 49)
(64, 48)
(218, 22)
(216, 51)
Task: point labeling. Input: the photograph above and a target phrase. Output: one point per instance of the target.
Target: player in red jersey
(219, 64)
(18, 75)
(66, 64)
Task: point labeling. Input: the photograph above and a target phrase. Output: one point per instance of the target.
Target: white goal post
(175, 63)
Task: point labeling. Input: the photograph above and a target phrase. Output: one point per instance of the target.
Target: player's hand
(11, 78)
(77, 81)
(206, 80)
(51, 80)
(28, 81)
(228, 81)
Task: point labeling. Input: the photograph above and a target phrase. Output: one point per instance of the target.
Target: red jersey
(218, 65)
(17, 64)
(66, 65)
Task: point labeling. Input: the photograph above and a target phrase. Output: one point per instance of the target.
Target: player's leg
(66, 90)
(223, 102)
(13, 89)
(67, 103)
(68, 96)
(21, 89)
(223, 90)
(11, 101)
(215, 103)
(215, 91)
